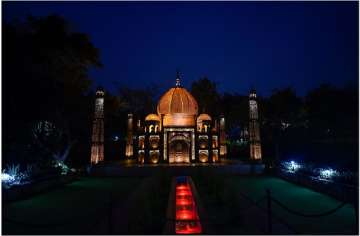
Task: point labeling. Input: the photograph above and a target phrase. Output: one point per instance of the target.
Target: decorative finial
(177, 78)
(252, 93)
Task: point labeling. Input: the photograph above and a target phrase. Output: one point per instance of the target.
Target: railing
(270, 216)
(268, 211)
(107, 215)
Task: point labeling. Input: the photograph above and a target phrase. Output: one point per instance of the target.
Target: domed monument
(177, 133)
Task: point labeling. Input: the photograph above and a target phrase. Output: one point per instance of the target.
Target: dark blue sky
(237, 44)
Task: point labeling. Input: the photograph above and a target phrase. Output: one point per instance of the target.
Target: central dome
(178, 107)
(177, 100)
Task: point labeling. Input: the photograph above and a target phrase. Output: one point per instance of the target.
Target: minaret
(129, 142)
(222, 142)
(254, 129)
(97, 146)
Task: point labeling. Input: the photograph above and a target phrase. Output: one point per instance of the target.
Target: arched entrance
(179, 148)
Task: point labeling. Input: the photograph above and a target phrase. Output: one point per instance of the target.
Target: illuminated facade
(176, 134)
(97, 140)
(129, 138)
(254, 129)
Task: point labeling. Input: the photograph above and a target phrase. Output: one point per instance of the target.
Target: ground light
(7, 178)
(328, 173)
(12, 176)
(187, 218)
(291, 166)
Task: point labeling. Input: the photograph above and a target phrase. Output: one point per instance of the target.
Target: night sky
(237, 44)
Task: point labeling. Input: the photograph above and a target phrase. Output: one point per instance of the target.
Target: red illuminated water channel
(187, 217)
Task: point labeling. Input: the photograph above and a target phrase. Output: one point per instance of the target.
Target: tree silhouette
(45, 77)
(207, 96)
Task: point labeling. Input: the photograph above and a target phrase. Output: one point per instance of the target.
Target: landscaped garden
(231, 201)
(93, 205)
(137, 205)
(72, 209)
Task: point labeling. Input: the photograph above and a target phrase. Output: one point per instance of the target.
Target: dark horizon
(239, 45)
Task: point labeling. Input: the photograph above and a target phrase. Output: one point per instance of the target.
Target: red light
(187, 219)
(183, 202)
(183, 192)
(182, 186)
(185, 215)
(188, 227)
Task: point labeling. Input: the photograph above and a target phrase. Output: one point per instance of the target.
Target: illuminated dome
(152, 117)
(178, 107)
(177, 100)
(203, 116)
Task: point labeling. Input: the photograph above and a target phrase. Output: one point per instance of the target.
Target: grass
(300, 199)
(78, 207)
(148, 212)
(227, 201)
(72, 209)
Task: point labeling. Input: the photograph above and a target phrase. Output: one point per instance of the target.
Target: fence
(270, 216)
(104, 220)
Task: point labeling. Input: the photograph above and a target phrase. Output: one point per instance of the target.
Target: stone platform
(124, 168)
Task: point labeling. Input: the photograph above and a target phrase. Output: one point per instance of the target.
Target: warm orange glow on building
(152, 117)
(215, 156)
(154, 141)
(223, 150)
(129, 141)
(203, 156)
(97, 139)
(178, 119)
(254, 128)
(154, 156)
(141, 157)
(176, 134)
(177, 100)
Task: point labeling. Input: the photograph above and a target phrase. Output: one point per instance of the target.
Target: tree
(207, 96)
(333, 111)
(45, 77)
(283, 107)
(235, 108)
(138, 101)
(53, 140)
(114, 126)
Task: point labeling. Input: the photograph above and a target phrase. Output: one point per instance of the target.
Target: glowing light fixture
(328, 173)
(187, 218)
(7, 178)
(291, 166)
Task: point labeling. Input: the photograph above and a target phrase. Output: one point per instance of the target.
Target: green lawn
(72, 209)
(302, 200)
(295, 197)
(78, 207)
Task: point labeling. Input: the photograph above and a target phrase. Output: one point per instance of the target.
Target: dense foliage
(45, 81)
